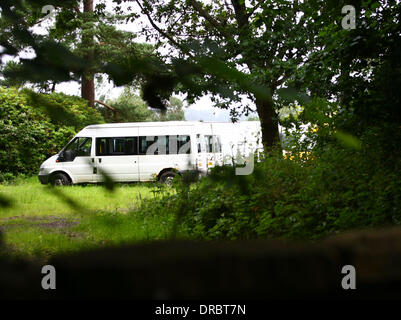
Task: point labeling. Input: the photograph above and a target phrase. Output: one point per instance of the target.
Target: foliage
(132, 108)
(359, 72)
(339, 185)
(267, 40)
(31, 132)
(224, 49)
(342, 173)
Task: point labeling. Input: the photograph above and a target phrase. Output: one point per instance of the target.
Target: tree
(174, 111)
(18, 17)
(87, 79)
(359, 72)
(130, 107)
(100, 43)
(253, 118)
(268, 40)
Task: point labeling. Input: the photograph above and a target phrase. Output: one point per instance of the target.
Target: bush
(333, 190)
(35, 126)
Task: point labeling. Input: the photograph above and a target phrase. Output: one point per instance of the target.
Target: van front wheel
(59, 179)
(168, 177)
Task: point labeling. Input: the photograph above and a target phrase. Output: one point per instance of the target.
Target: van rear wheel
(59, 179)
(168, 177)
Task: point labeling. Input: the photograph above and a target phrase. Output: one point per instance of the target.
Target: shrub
(333, 190)
(31, 131)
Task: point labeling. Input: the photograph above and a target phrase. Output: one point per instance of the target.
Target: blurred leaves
(291, 94)
(221, 70)
(107, 180)
(211, 67)
(57, 114)
(5, 202)
(348, 140)
(63, 196)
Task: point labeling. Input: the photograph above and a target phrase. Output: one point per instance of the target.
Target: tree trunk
(87, 81)
(268, 123)
(88, 89)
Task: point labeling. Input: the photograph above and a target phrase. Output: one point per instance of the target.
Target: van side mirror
(61, 157)
(66, 156)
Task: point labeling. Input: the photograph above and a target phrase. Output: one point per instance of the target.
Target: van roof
(142, 124)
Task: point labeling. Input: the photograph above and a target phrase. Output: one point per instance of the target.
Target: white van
(235, 141)
(125, 152)
(213, 146)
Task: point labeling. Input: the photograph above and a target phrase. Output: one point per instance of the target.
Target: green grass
(31, 198)
(44, 221)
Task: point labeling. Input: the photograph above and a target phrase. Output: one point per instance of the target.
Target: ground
(99, 244)
(45, 221)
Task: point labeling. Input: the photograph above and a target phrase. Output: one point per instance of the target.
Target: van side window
(101, 147)
(209, 144)
(131, 146)
(162, 145)
(184, 144)
(218, 144)
(79, 147)
(213, 143)
(118, 146)
(201, 144)
(145, 143)
(84, 147)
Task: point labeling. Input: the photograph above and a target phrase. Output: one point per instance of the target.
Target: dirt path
(52, 222)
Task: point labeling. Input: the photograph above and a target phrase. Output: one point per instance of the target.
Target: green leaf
(5, 202)
(348, 140)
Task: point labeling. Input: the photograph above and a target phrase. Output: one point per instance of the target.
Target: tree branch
(219, 27)
(250, 13)
(106, 105)
(161, 31)
(240, 13)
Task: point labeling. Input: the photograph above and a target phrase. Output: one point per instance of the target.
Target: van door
(163, 147)
(117, 157)
(76, 160)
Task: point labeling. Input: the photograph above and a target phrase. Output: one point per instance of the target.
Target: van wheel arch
(165, 171)
(53, 174)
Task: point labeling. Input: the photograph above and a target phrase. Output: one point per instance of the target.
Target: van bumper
(43, 178)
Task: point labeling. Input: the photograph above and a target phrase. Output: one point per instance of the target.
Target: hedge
(35, 126)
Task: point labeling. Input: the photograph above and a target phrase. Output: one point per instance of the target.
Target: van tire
(59, 179)
(167, 177)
